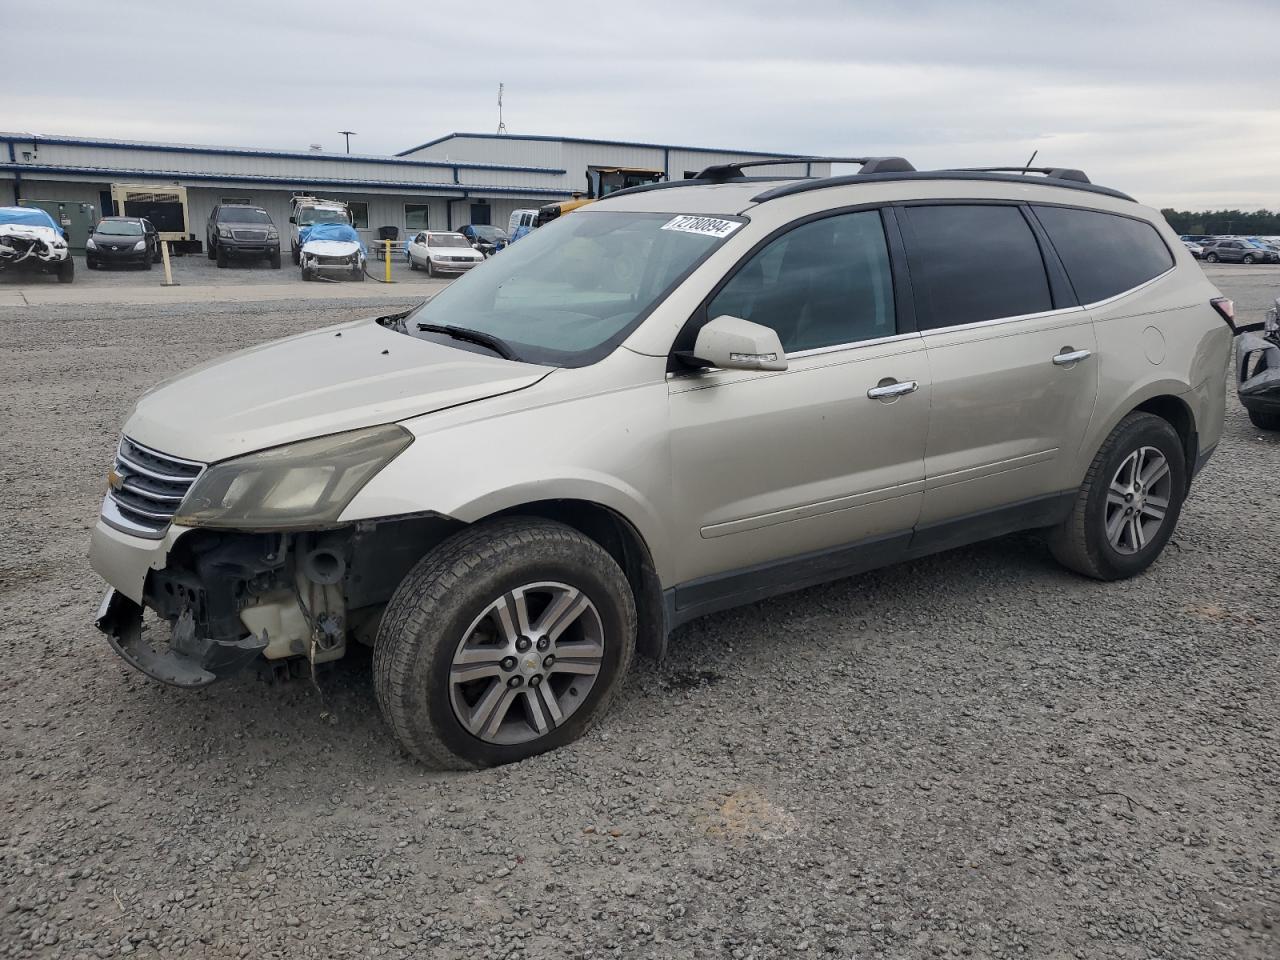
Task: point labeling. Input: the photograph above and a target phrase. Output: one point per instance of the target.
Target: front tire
(1264, 421)
(1210, 258)
(222, 258)
(67, 271)
(1248, 258)
(1129, 503)
(275, 260)
(507, 640)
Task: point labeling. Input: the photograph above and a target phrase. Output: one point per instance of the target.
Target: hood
(331, 248)
(340, 378)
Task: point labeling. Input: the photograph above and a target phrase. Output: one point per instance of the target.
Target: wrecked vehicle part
(31, 240)
(1258, 371)
(231, 599)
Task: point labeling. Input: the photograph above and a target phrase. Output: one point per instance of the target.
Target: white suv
(684, 397)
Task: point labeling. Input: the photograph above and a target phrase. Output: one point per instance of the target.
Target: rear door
(770, 467)
(1011, 358)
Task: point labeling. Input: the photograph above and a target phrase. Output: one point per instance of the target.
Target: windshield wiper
(496, 344)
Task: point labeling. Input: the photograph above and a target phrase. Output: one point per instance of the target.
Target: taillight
(1226, 310)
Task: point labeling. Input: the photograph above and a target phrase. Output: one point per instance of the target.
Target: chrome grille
(146, 488)
(256, 236)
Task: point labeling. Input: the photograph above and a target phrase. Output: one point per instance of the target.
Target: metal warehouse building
(440, 185)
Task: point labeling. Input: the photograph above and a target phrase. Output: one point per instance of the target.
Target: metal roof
(169, 176)
(34, 138)
(607, 143)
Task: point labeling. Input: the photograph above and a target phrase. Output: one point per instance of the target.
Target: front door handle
(1069, 357)
(892, 389)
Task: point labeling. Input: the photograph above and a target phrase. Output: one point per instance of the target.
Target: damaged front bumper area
(30, 248)
(223, 600)
(1258, 366)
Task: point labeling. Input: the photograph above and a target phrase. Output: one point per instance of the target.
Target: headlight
(90, 245)
(273, 234)
(305, 484)
(224, 232)
(140, 245)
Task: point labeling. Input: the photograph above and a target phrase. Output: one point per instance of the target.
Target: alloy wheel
(527, 663)
(1138, 500)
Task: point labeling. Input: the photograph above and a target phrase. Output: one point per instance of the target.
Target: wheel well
(1176, 412)
(623, 542)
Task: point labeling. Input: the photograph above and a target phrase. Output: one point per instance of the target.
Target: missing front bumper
(187, 661)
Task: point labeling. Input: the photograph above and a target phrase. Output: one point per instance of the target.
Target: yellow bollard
(168, 273)
(387, 257)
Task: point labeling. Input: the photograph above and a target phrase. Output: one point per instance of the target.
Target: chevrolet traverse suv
(685, 397)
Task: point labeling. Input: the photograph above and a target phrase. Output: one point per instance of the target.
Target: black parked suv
(238, 230)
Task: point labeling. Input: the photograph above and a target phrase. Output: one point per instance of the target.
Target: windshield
(120, 228)
(570, 292)
(489, 233)
(446, 240)
(321, 215)
(242, 215)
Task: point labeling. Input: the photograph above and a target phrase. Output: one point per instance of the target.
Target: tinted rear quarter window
(974, 262)
(1105, 254)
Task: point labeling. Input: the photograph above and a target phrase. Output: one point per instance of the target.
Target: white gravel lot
(977, 754)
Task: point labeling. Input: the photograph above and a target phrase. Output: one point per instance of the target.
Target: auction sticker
(707, 226)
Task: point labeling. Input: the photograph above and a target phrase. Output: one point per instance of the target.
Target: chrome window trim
(851, 345)
(998, 321)
(1124, 293)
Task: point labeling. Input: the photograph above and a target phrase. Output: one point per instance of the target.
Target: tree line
(1245, 223)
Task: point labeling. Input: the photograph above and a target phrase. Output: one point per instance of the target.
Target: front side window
(974, 262)
(1104, 254)
(821, 284)
(569, 292)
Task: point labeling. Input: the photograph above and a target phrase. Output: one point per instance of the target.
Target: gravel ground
(976, 754)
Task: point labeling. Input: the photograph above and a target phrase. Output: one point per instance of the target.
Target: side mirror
(293, 219)
(732, 343)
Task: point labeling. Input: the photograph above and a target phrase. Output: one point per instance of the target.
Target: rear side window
(1104, 254)
(974, 262)
(821, 284)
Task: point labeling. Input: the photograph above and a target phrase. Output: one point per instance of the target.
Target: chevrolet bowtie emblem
(114, 480)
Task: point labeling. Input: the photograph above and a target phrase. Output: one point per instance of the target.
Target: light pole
(348, 134)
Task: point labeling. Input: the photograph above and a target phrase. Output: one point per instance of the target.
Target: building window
(243, 201)
(480, 213)
(415, 217)
(359, 214)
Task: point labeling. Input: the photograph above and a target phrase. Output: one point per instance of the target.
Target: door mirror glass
(732, 343)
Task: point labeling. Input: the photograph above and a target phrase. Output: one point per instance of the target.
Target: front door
(786, 478)
(1013, 365)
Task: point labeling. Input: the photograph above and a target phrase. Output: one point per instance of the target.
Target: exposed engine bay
(30, 245)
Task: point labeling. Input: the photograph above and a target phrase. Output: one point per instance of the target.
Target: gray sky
(1176, 102)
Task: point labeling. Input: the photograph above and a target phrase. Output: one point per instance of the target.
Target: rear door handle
(892, 390)
(1071, 356)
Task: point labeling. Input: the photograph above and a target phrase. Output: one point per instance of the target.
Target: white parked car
(332, 248)
(438, 252)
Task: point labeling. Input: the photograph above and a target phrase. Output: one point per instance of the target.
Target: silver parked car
(682, 398)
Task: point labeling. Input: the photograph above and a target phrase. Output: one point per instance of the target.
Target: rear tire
(1100, 539)
(1210, 258)
(1264, 421)
(448, 599)
(413, 264)
(296, 254)
(211, 251)
(1248, 258)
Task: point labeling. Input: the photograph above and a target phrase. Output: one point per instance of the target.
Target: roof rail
(1056, 173)
(722, 172)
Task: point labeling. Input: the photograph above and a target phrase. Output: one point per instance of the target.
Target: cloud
(1129, 92)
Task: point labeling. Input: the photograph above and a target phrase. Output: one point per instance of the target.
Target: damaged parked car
(331, 248)
(31, 240)
(1258, 370)
(685, 397)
